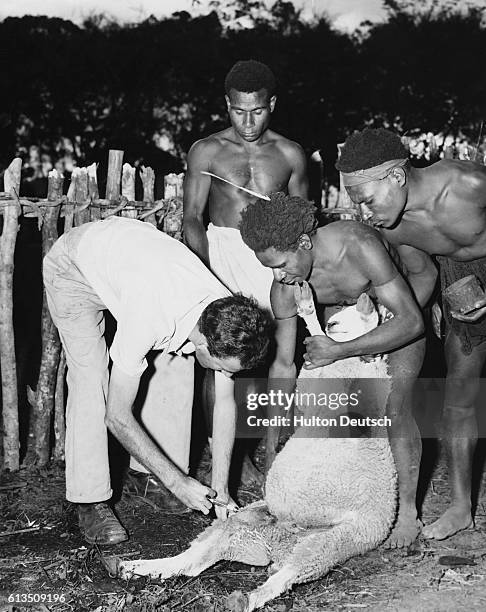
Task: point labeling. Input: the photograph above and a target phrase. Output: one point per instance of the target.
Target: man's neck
(421, 194)
(249, 146)
(322, 253)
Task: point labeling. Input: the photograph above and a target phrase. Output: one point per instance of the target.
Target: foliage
(159, 83)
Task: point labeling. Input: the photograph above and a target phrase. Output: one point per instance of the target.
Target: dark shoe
(146, 486)
(99, 525)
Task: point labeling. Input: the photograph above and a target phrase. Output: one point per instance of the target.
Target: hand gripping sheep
(326, 500)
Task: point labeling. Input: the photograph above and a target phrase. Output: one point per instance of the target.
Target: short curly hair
(236, 326)
(277, 223)
(369, 148)
(250, 76)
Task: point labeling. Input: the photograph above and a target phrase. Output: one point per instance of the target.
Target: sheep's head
(353, 321)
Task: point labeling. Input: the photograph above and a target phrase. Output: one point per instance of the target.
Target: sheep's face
(353, 321)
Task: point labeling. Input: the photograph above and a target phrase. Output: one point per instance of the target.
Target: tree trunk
(10, 410)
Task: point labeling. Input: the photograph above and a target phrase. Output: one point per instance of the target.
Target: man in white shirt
(163, 298)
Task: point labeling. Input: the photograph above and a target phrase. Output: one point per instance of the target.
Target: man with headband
(341, 261)
(439, 210)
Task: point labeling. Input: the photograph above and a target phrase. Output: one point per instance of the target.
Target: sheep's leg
(206, 550)
(273, 587)
(306, 308)
(313, 556)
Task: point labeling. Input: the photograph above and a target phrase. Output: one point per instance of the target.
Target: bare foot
(453, 520)
(404, 532)
(250, 474)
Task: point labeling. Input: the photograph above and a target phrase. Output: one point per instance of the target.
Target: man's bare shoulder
(352, 231)
(211, 143)
(464, 179)
(288, 147)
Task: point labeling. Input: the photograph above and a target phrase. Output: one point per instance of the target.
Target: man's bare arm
(298, 182)
(196, 192)
(282, 372)
(421, 272)
(120, 421)
(224, 428)
(391, 291)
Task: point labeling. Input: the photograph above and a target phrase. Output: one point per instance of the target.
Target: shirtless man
(440, 210)
(341, 261)
(249, 155)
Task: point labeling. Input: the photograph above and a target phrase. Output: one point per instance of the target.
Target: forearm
(224, 429)
(281, 384)
(196, 239)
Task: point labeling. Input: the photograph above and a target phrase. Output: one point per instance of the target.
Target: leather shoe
(99, 525)
(145, 485)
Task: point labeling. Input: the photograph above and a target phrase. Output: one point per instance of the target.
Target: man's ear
(399, 175)
(228, 103)
(305, 242)
(273, 99)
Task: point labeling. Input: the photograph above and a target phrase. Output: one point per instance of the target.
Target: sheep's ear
(364, 304)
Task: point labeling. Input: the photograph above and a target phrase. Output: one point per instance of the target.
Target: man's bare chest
(262, 172)
(341, 286)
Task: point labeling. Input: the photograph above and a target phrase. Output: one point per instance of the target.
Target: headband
(374, 173)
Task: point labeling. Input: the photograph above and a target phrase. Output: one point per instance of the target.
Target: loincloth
(469, 334)
(237, 266)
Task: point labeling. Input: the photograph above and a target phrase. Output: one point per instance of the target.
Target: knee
(459, 412)
(461, 390)
(92, 376)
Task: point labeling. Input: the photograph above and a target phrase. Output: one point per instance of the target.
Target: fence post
(148, 181)
(93, 193)
(128, 191)
(10, 410)
(43, 399)
(79, 178)
(115, 160)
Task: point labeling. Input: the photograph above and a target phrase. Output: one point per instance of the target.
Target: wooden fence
(81, 204)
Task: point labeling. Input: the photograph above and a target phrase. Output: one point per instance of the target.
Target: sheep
(326, 500)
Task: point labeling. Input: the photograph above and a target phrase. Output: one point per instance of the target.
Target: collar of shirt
(186, 349)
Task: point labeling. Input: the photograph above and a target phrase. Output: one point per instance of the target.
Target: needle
(253, 193)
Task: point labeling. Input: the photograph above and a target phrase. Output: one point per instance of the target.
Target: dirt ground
(48, 558)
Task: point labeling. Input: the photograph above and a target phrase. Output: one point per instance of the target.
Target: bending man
(164, 299)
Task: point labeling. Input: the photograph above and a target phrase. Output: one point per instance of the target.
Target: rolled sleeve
(129, 348)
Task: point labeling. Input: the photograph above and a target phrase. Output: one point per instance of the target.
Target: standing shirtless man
(440, 210)
(341, 261)
(249, 155)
